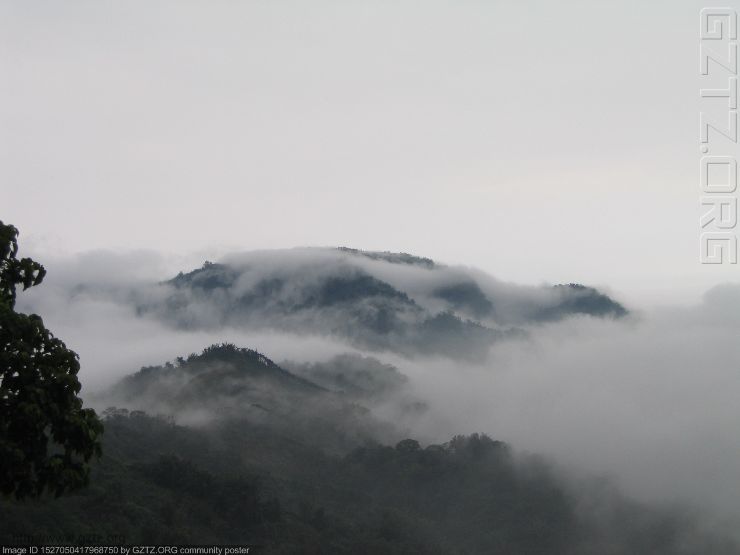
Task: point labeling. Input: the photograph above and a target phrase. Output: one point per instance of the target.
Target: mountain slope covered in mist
(244, 476)
(225, 382)
(376, 301)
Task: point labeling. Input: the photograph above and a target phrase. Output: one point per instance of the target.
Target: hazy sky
(540, 141)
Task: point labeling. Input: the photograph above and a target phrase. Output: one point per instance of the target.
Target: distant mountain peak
(392, 257)
(378, 301)
(228, 352)
(582, 299)
(226, 383)
(222, 369)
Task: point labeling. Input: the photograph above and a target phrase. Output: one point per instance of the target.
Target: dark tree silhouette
(46, 438)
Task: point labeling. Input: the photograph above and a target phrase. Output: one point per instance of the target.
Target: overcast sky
(539, 141)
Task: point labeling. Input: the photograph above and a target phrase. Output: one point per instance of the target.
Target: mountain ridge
(379, 301)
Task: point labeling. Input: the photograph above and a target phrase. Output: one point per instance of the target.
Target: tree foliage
(46, 437)
(160, 483)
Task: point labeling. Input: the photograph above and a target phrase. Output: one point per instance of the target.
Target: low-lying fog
(651, 400)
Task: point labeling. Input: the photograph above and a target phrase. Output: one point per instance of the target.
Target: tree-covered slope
(313, 471)
(374, 301)
(160, 483)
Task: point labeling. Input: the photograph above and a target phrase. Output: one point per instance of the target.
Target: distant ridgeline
(377, 301)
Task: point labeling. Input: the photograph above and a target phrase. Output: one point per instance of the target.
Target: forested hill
(226, 382)
(160, 483)
(372, 300)
(245, 451)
